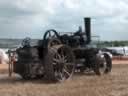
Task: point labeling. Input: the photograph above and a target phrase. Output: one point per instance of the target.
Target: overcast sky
(21, 18)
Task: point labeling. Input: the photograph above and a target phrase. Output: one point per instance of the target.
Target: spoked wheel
(51, 37)
(104, 65)
(59, 63)
(50, 34)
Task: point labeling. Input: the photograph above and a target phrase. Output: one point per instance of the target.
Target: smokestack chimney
(87, 22)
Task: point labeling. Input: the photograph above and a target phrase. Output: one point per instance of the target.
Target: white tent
(121, 50)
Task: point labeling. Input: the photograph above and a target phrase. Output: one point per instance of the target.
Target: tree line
(114, 43)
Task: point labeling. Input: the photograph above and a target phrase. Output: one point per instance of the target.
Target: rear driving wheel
(59, 63)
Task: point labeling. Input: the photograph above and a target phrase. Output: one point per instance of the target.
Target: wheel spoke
(56, 60)
(66, 72)
(65, 59)
(62, 53)
(61, 76)
(58, 56)
(70, 64)
(49, 34)
(54, 63)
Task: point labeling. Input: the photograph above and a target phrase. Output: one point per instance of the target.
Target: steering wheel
(51, 34)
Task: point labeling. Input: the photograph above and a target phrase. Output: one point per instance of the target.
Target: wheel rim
(105, 65)
(63, 63)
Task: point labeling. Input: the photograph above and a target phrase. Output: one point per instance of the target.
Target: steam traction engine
(56, 57)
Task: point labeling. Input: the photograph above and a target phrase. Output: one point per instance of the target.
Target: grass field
(113, 84)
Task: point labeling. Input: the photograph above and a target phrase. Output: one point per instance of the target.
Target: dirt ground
(120, 62)
(113, 84)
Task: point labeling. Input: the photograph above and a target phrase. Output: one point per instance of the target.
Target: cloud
(20, 18)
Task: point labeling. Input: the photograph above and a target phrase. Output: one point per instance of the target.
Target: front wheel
(102, 65)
